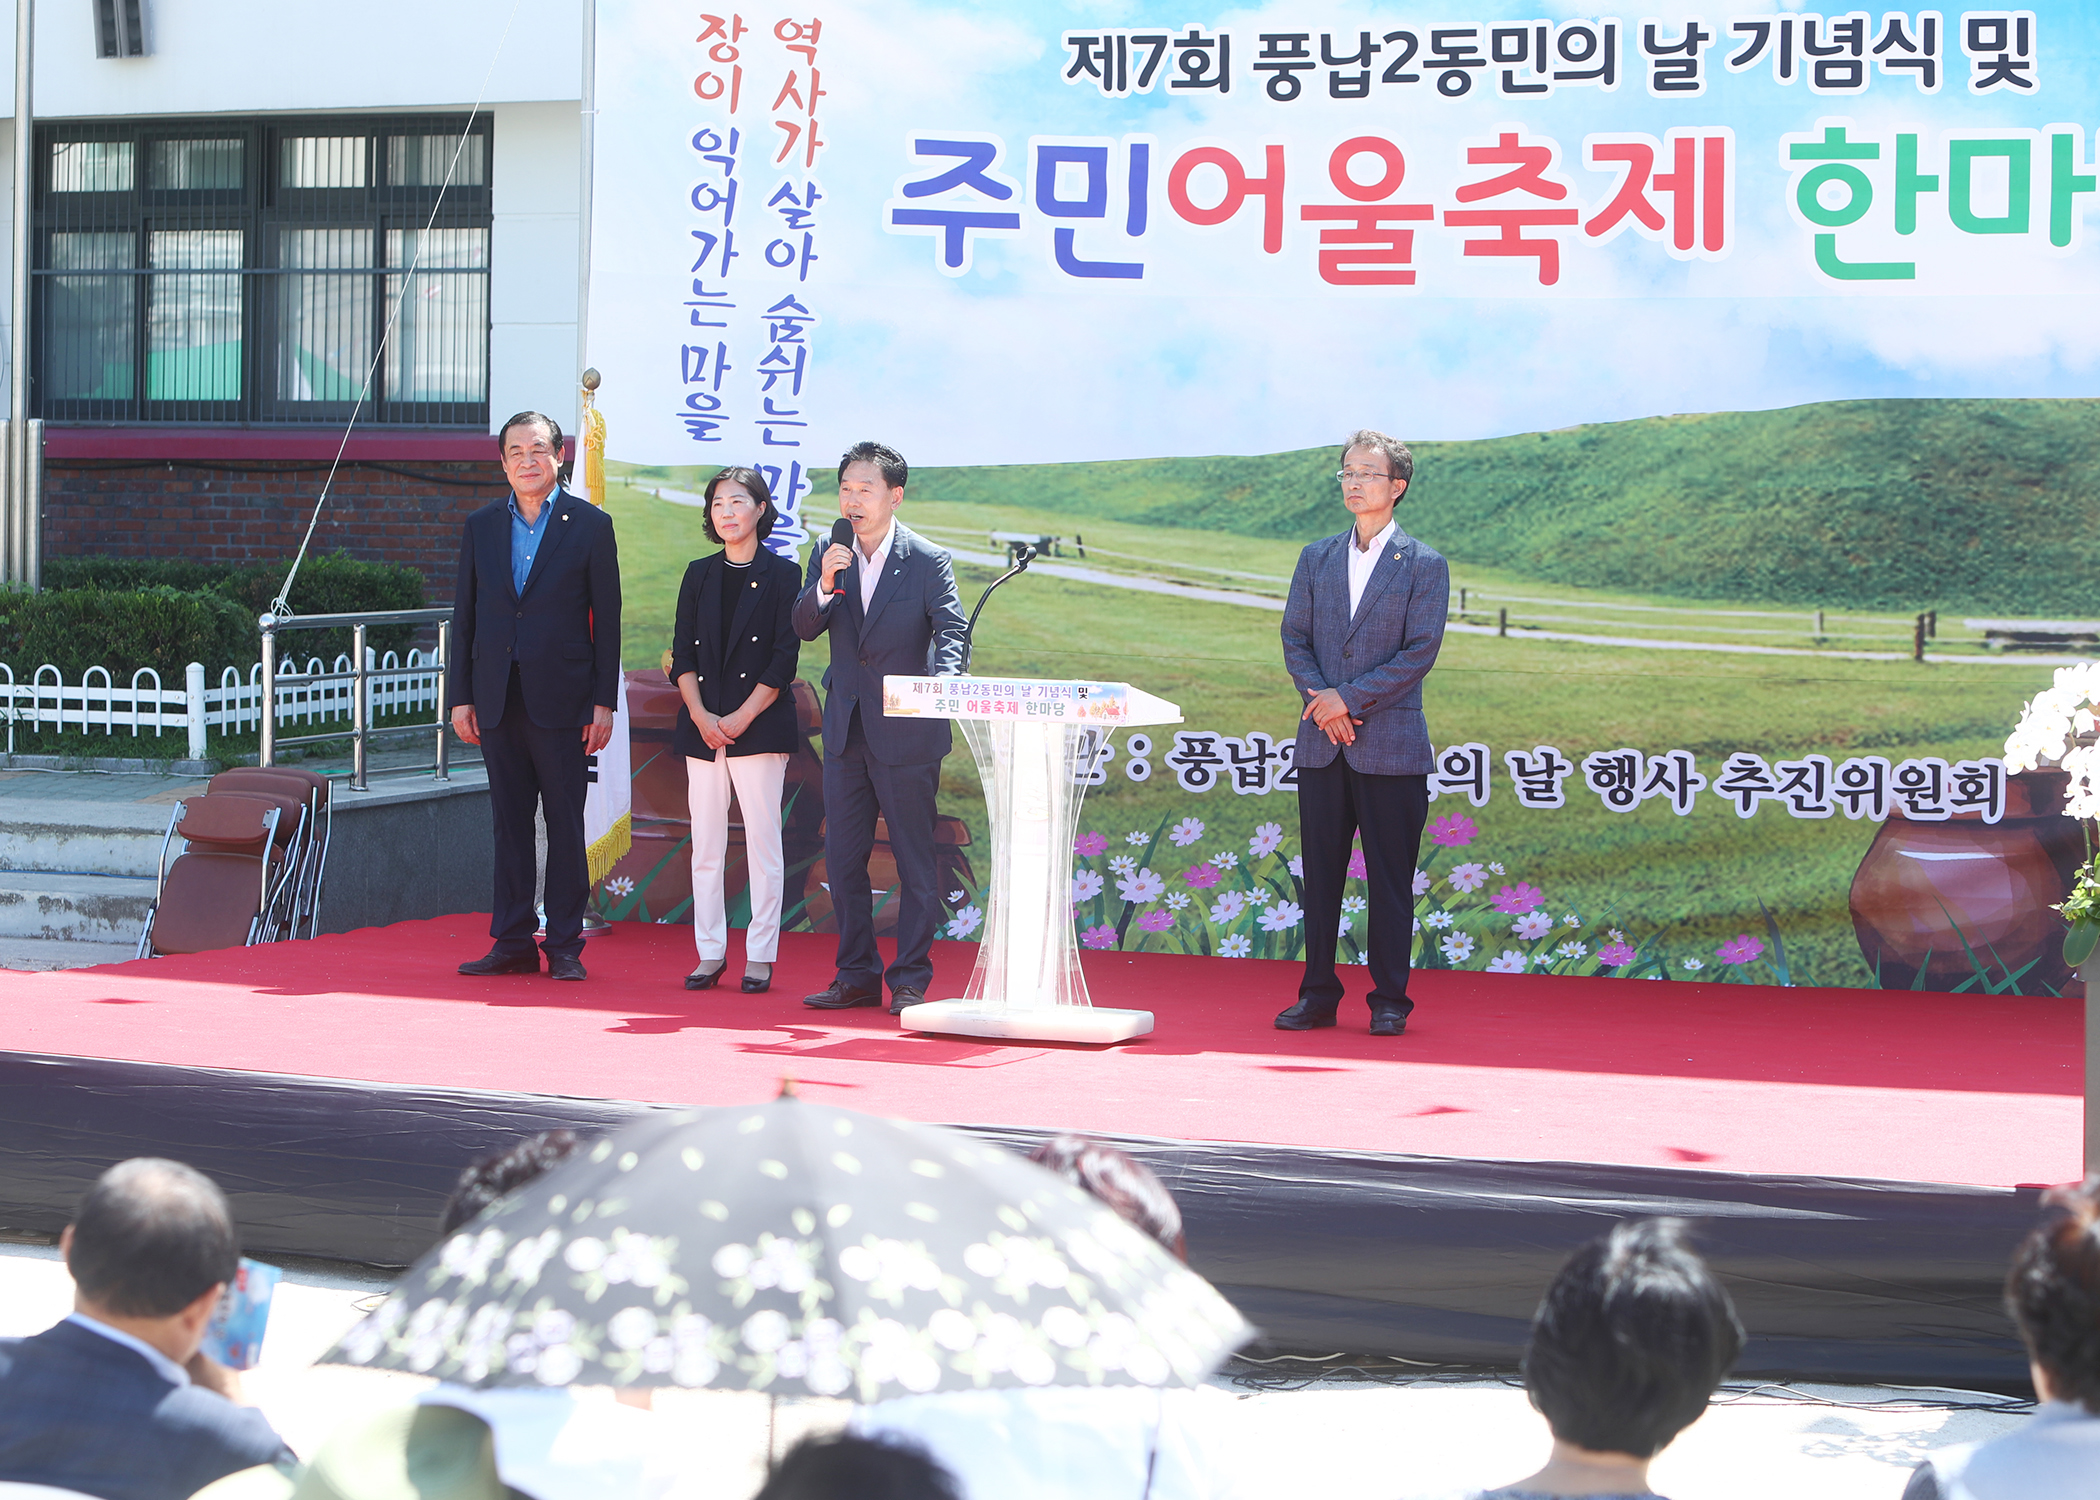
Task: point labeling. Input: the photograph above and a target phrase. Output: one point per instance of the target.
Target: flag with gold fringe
(608, 821)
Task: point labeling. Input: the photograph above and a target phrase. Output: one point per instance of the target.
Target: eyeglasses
(1359, 476)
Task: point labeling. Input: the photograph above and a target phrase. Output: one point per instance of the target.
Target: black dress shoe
(1388, 1023)
(756, 984)
(1305, 1015)
(564, 968)
(842, 996)
(493, 962)
(699, 981)
(902, 999)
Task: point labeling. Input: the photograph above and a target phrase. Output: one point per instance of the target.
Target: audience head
(843, 1467)
(752, 483)
(2053, 1293)
(153, 1242)
(502, 1173)
(1630, 1341)
(1119, 1180)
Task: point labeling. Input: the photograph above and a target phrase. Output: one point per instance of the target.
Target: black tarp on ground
(1429, 1258)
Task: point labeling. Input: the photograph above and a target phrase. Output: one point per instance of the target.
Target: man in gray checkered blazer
(1361, 630)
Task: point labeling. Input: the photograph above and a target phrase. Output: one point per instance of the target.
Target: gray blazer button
(742, 675)
(754, 640)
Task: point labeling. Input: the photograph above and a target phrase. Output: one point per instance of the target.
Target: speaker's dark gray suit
(912, 627)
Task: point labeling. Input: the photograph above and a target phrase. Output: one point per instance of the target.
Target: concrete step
(90, 909)
(61, 953)
(102, 838)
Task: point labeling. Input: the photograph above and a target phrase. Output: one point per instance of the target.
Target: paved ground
(1808, 1443)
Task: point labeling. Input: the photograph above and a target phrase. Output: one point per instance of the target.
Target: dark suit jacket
(81, 1412)
(762, 648)
(913, 628)
(563, 631)
(1377, 658)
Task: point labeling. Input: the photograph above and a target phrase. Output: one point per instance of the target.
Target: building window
(245, 271)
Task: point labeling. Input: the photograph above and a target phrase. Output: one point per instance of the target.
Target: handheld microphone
(842, 532)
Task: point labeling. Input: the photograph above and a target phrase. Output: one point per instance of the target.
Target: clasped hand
(720, 731)
(1330, 715)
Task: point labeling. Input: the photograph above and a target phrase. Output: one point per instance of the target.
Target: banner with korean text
(1747, 358)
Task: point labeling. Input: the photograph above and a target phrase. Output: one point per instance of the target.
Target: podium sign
(1027, 736)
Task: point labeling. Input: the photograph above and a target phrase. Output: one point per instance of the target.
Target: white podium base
(1041, 1023)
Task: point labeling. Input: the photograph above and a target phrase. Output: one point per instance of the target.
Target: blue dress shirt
(525, 540)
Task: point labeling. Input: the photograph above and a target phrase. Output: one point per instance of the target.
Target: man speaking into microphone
(887, 597)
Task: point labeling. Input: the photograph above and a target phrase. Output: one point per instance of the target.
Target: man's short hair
(1119, 1180)
(1630, 1341)
(151, 1237)
(501, 1173)
(1398, 461)
(2053, 1292)
(844, 1467)
(521, 419)
(751, 480)
(895, 471)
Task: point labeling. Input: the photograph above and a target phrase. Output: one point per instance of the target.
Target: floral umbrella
(795, 1248)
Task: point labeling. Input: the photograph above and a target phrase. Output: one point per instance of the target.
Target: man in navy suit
(890, 605)
(1361, 629)
(116, 1400)
(535, 674)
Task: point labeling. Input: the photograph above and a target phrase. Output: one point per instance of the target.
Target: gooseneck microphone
(1023, 556)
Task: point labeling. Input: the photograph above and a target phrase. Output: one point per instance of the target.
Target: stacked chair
(255, 846)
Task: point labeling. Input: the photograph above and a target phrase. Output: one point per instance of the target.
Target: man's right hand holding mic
(839, 555)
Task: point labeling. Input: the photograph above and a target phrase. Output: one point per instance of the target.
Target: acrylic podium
(1028, 736)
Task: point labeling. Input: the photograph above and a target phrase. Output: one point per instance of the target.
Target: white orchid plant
(2060, 727)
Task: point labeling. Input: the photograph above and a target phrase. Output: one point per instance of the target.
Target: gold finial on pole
(593, 444)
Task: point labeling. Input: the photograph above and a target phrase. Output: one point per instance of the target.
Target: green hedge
(331, 583)
(162, 628)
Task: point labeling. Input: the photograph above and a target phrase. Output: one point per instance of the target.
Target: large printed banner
(1047, 234)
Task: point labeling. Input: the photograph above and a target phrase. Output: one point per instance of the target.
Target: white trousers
(758, 780)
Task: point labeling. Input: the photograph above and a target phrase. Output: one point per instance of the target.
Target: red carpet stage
(1856, 1145)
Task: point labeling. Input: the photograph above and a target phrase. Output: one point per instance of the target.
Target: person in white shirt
(1361, 629)
(2053, 1294)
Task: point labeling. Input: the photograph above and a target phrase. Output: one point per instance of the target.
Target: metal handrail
(361, 730)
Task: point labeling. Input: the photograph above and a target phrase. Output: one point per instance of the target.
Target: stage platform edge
(1328, 1251)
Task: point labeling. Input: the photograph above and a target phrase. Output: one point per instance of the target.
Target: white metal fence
(315, 695)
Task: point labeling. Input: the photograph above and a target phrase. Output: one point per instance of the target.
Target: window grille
(244, 270)
(120, 28)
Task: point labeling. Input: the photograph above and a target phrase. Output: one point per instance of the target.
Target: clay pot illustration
(1927, 895)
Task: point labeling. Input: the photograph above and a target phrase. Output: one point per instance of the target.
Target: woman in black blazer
(733, 656)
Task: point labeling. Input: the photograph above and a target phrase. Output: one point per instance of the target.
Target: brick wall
(395, 513)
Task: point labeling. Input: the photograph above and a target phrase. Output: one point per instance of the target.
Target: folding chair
(219, 892)
(317, 828)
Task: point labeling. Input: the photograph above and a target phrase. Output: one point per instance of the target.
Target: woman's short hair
(501, 1173)
(2053, 1292)
(751, 480)
(1630, 1341)
(1119, 1180)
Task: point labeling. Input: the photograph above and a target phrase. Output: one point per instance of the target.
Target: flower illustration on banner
(1087, 845)
(1202, 876)
(1694, 965)
(1268, 837)
(1099, 937)
(1421, 886)
(1343, 931)
(1235, 946)
(1468, 877)
(619, 886)
(964, 922)
(1453, 831)
(955, 897)
(1137, 836)
(1458, 947)
(1297, 866)
(1515, 900)
(1281, 917)
(1508, 961)
(1615, 935)
(1086, 885)
(1186, 832)
(1354, 903)
(1438, 919)
(1156, 921)
(1532, 926)
(1571, 920)
(1572, 950)
(1141, 885)
(1495, 867)
(1228, 906)
(1615, 954)
(1740, 949)
(1176, 900)
(1226, 861)
(1121, 864)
